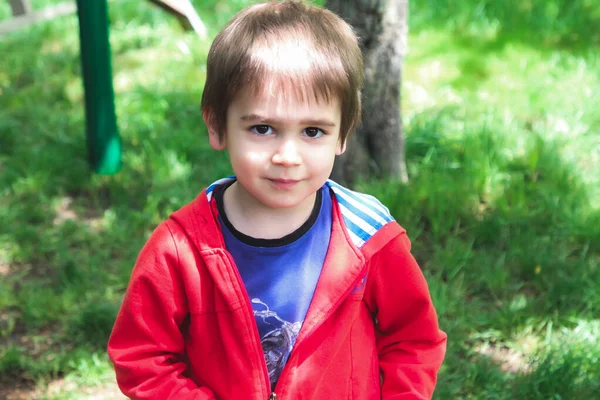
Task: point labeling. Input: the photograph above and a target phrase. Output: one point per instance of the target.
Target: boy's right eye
(262, 129)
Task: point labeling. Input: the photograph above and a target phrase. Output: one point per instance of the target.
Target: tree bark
(19, 7)
(376, 150)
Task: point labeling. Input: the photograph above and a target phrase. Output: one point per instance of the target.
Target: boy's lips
(284, 183)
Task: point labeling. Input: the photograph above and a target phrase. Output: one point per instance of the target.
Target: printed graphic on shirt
(277, 337)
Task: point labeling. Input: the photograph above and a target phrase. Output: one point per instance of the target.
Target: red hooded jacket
(186, 329)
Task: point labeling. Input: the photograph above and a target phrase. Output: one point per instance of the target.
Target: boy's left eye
(313, 132)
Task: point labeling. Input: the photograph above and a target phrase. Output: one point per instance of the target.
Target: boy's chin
(280, 200)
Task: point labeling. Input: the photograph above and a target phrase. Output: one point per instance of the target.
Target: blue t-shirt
(280, 276)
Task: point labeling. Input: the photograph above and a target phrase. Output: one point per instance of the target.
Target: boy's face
(282, 151)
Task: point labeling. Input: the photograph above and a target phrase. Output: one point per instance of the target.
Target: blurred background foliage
(500, 107)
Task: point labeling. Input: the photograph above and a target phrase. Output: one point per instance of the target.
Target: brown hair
(309, 50)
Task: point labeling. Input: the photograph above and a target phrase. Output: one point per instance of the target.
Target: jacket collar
(343, 262)
(360, 226)
(363, 214)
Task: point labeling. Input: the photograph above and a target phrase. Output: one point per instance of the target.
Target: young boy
(278, 283)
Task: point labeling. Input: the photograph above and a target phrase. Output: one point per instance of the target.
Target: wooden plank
(19, 7)
(33, 17)
(185, 13)
(173, 7)
(182, 9)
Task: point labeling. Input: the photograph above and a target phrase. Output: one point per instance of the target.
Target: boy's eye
(262, 129)
(313, 132)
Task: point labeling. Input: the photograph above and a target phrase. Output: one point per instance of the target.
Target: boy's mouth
(284, 183)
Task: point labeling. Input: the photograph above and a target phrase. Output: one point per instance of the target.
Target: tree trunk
(377, 148)
(19, 7)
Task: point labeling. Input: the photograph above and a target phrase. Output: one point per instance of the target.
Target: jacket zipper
(262, 361)
(335, 306)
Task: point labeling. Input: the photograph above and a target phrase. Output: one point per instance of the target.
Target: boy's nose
(287, 154)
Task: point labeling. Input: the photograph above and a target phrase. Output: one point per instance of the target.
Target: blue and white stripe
(363, 214)
(211, 188)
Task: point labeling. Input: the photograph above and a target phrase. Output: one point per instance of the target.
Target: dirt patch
(106, 391)
(4, 269)
(28, 391)
(64, 211)
(509, 360)
(17, 390)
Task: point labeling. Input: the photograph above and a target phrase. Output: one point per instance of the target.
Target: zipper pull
(273, 396)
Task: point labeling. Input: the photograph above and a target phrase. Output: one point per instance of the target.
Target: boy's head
(289, 49)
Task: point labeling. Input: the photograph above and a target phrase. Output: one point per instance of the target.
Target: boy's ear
(213, 130)
(341, 148)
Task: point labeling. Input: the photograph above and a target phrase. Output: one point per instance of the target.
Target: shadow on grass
(69, 238)
(504, 230)
(505, 193)
(563, 366)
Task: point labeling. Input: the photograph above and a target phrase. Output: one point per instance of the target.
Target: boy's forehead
(279, 94)
(272, 103)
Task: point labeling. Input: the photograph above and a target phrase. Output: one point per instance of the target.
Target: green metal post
(103, 141)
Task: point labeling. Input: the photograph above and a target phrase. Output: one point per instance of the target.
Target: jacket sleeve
(146, 345)
(410, 345)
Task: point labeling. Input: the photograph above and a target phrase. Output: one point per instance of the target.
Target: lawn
(501, 108)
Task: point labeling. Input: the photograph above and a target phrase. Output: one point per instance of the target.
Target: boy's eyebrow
(265, 120)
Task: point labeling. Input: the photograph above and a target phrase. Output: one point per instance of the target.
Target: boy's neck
(254, 219)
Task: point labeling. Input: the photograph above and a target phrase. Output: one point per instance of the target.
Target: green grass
(570, 24)
(500, 105)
